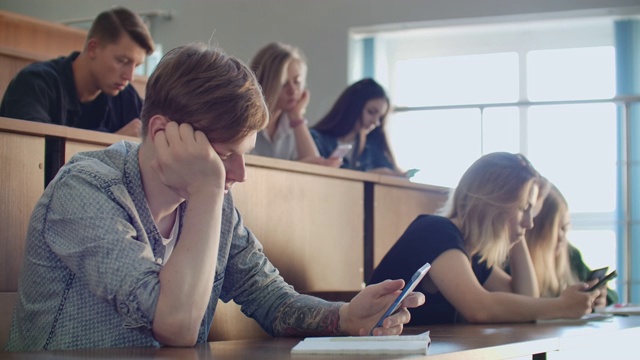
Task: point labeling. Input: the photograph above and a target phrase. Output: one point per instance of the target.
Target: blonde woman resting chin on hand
(488, 215)
(281, 70)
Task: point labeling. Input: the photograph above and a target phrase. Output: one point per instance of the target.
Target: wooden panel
(394, 209)
(73, 147)
(11, 62)
(22, 179)
(7, 302)
(229, 323)
(311, 226)
(44, 37)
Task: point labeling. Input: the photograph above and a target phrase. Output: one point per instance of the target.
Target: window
(543, 89)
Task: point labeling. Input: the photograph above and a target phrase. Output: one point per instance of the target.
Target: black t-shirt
(46, 92)
(425, 239)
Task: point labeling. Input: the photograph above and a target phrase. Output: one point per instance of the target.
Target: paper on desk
(620, 309)
(584, 319)
(401, 344)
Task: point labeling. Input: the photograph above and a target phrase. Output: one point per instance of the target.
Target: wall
(319, 27)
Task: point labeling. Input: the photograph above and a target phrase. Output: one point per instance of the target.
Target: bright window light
(571, 74)
(574, 146)
(454, 80)
(442, 144)
(500, 130)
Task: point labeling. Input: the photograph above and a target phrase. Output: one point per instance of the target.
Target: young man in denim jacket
(134, 245)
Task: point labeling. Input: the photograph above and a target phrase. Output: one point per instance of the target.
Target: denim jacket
(372, 157)
(90, 277)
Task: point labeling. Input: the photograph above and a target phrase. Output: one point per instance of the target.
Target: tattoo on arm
(308, 316)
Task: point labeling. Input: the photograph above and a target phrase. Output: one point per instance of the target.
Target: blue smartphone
(415, 280)
(411, 173)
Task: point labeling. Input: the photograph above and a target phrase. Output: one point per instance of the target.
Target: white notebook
(401, 344)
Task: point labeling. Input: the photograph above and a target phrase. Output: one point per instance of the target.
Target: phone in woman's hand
(411, 173)
(340, 151)
(598, 273)
(603, 281)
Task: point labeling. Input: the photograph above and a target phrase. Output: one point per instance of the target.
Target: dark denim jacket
(93, 257)
(372, 157)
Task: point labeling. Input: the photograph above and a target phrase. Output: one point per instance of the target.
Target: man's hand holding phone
(415, 280)
(364, 311)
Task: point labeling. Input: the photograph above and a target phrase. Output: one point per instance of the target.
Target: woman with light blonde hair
(557, 263)
(281, 70)
(484, 224)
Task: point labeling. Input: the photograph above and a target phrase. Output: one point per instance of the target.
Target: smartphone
(340, 151)
(415, 280)
(598, 273)
(603, 281)
(411, 173)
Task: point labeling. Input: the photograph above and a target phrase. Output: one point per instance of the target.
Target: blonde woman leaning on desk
(491, 209)
(281, 70)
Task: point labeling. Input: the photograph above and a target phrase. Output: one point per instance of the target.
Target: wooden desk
(317, 224)
(396, 203)
(597, 339)
(30, 154)
(320, 226)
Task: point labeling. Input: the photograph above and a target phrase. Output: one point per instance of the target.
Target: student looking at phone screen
(358, 117)
(486, 219)
(557, 263)
(281, 70)
(133, 245)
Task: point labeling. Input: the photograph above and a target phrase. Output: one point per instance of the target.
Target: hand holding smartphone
(603, 281)
(408, 288)
(411, 173)
(598, 273)
(340, 151)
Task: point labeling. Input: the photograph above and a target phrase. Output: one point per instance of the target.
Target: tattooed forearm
(308, 316)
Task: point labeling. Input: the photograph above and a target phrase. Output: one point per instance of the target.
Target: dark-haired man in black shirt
(88, 89)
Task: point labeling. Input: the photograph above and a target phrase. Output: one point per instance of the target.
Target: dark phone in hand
(603, 281)
(598, 273)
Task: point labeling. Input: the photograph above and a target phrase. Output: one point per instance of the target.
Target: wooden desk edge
(101, 138)
(41, 129)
